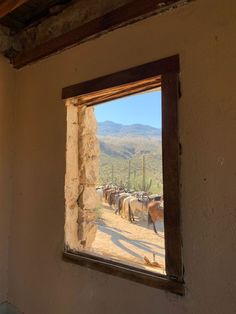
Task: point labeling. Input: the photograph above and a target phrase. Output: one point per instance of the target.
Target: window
(82, 174)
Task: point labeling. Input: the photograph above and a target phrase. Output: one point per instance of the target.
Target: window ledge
(128, 272)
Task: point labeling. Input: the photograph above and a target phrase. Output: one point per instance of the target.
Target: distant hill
(124, 144)
(115, 129)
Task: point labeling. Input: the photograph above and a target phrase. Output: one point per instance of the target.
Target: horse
(155, 213)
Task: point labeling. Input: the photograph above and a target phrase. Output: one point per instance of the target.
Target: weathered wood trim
(129, 13)
(117, 91)
(142, 72)
(170, 155)
(164, 73)
(127, 272)
(8, 6)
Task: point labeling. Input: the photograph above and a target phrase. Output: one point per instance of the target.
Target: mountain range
(124, 145)
(116, 129)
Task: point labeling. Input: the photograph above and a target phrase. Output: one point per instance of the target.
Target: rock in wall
(82, 171)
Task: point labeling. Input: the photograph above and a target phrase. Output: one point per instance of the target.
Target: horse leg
(131, 215)
(154, 228)
(129, 211)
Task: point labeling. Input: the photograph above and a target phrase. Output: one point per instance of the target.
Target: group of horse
(132, 204)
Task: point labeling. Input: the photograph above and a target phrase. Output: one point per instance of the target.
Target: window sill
(127, 272)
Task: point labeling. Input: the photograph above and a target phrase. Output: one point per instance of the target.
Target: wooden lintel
(8, 6)
(129, 76)
(129, 13)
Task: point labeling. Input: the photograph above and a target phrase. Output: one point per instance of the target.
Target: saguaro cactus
(129, 171)
(112, 174)
(144, 173)
(144, 186)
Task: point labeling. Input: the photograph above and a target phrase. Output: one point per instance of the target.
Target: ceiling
(34, 29)
(27, 13)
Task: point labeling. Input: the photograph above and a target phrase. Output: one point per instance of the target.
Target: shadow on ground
(118, 239)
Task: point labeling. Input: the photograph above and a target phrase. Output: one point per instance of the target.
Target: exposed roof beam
(8, 6)
(129, 13)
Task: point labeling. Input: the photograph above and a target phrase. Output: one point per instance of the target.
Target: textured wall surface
(40, 282)
(6, 144)
(82, 172)
(62, 21)
(79, 13)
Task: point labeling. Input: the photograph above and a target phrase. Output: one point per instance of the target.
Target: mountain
(116, 129)
(122, 147)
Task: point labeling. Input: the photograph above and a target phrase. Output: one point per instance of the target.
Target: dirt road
(127, 242)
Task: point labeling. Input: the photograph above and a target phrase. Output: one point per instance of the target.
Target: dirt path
(121, 240)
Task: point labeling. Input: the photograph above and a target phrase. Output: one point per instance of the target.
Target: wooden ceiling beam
(124, 15)
(8, 6)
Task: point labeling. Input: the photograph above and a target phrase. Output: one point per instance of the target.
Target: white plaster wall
(6, 144)
(203, 33)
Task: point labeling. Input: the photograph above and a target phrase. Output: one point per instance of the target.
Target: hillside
(123, 147)
(115, 129)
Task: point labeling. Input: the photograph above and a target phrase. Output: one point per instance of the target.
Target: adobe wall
(6, 144)
(202, 33)
(82, 173)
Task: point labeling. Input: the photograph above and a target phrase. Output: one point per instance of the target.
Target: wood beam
(8, 6)
(127, 77)
(129, 13)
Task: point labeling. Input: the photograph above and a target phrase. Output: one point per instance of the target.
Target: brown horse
(155, 213)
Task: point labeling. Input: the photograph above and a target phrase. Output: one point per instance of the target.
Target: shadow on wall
(6, 308)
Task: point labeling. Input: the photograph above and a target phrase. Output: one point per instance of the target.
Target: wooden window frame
(163, 73)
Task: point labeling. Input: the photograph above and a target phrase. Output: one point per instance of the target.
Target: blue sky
(141, 108)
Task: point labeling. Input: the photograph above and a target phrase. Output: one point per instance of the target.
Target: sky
(141, 108)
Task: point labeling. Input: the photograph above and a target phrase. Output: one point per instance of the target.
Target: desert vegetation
(130, 156)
